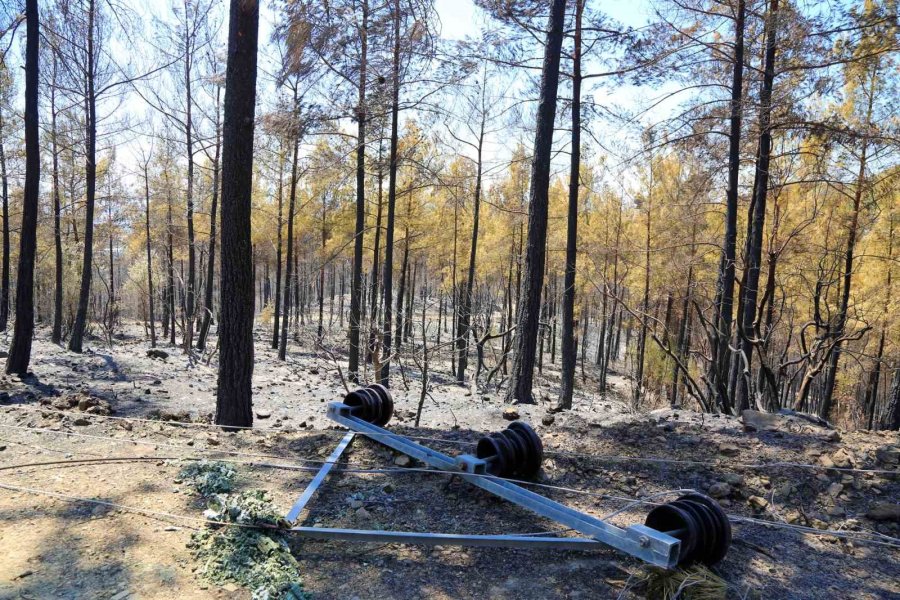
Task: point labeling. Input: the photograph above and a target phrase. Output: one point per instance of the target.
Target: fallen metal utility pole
(691, 529)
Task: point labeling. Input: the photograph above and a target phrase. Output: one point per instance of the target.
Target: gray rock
(884, 511)
(887, 455)
(719, 489)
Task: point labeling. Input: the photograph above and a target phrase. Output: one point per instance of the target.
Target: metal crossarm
(650, 545)
(307, 495)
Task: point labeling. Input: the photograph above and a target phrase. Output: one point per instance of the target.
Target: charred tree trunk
(234, 403)
(719, 366)
(374, 296)
(56, 334)
(528, 311)
(4, 279)
(90, 175)
(276, 328)
(189, 303)
(387, 342)
(356, 279)
(465, 313)
(170, 264)
(645, 305)
(150, 298)
(213, 222)
(23, 329)
(569, 354)
(290, 267)
(758, 213)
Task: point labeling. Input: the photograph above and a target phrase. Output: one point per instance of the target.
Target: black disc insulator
(514, 452)
(368, 404)
(535, 456)
(719, 548)
(387, 404)
(701, 525)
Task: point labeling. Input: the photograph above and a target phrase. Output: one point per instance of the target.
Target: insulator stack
(701, 525)
(514, 452)
(372, 403)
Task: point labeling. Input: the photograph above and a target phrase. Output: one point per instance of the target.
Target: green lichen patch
(208, 478)
(252, 551)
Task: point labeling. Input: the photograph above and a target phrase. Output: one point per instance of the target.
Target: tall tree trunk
(321, 327)
(90, 175)
(374, 296)
(465, 316)
(4, 279)
(356, 281)
(213, 222)
(276, 329)
(645, 304)
(56, 334)
(612, 340)
(386, 346)
(528, 311)
(189, 147)
(401, 290)
(234, 403)
(23, 329)
(112, 280)
(719, 366)
(873, 422)
(290, 267)
(149, 254)
(828, 394)
(170, 260)
(758, 213)
(569, 355)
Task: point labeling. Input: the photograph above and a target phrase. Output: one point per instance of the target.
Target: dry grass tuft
(693, 583)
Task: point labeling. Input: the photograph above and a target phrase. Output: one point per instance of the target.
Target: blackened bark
(23, 329)
(356, 279)
(289, 266)
(758, 215)
(4, 190)
(213, 222)
(465, 313)
(234, 402)
(149, 254)
(384, 375)
(374, 296)
(528, 311)
(276, 329)
(720, 363)
(569, 354)
(170, 264)
(189, 147)
(56, 334)
(892, 414)
(90, 175)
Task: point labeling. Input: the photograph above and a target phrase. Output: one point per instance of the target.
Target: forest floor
(55, 548)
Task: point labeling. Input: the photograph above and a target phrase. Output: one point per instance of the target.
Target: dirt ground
(53, 548)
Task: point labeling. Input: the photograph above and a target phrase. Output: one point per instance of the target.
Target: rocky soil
(54, 548)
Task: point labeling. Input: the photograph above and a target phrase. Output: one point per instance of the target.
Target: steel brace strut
(648, 544)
